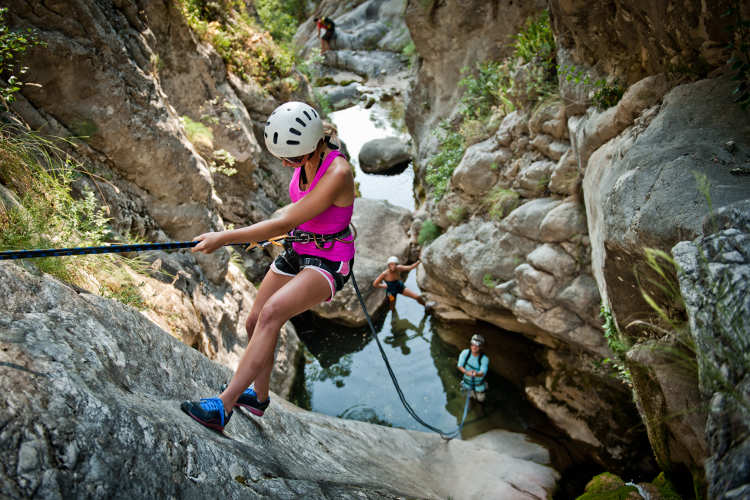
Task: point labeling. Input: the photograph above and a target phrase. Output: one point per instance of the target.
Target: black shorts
(328, 35)
(290, 263)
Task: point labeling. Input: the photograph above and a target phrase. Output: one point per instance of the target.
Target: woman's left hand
(208, 242)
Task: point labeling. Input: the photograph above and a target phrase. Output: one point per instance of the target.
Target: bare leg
(413, 295)
(302, 292)
(272, 282)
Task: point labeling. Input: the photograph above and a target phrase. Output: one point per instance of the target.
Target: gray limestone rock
(92, 393)
(714, 276)
(526, 220)
(382, 155)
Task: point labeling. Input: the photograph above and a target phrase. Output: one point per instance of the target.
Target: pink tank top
(332, 220)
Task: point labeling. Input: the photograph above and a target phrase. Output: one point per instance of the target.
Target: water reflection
(345, 375)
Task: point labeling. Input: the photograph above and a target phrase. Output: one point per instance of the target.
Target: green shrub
(197, 132)
(441, 166)
(618, 344)
(280, 17)
(247, 50)
(457, 214)
(489, 281)
(428, 232)
(12, 46)
(500, 202)
(40, 174)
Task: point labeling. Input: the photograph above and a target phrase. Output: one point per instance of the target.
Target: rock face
(379, 156)
(382, 231)
(659, 36)
(644, 187)
(448, 36)
(369, 38)
(548, 218)
(148, 84)
(92, 392)
(714, 277)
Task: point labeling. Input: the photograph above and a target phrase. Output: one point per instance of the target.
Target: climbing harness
(295, 236)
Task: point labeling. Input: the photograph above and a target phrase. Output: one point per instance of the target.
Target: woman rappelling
(311, 270)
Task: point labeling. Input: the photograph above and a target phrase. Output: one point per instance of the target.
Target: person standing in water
(390, 279)
(307, 273)
(473, 363)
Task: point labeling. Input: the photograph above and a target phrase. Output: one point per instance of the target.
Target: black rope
(142, 247)
(445, 435)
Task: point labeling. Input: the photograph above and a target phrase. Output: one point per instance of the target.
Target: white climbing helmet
(392, 259)
(293, 129)
(477, 339)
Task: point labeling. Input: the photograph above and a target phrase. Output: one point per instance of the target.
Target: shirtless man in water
(390, 279)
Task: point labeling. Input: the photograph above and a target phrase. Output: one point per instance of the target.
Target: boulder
(380, 156)
(714, 272)
(479, 168)
(382, 231)
(652, 186)
(92, 393)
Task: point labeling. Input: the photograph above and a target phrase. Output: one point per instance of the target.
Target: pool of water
(344, 373)
(356, 126)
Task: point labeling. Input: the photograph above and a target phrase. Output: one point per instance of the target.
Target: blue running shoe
(249, 400)
(207, 411)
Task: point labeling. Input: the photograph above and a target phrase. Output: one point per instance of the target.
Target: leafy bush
(281, 17)
(12, 46)
(605, 94)
(441, 166)
(40, 174)
(246, 48)
(500, 202)
(35, 170)
(617, 344)
(428, 232)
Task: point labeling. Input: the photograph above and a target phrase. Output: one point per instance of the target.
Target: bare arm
(337, 185)
(409, 267)
(378, 281)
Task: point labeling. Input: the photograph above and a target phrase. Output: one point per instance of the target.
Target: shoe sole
(254, 411)
(206, 424)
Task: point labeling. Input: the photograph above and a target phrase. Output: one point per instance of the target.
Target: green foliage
(739, 45)
(126, 292)
(500, 202)
(223, 163)
(280, 17)
(457, 214)
(441, 166)
(197, 132)
(617, 344)
(607, 486)
(248, 50)
(13, 44)
(489, 281)
(41, 174)
(428, 232)
(536, 43)
(605, 94)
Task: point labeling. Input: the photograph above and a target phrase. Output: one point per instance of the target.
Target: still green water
(344, 372)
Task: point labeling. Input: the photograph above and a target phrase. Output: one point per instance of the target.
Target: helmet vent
(292, 143)
(299, 120)
(314, 112)
(295, 131)
(275, 137)
(307, 115)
